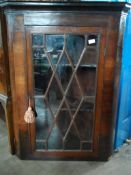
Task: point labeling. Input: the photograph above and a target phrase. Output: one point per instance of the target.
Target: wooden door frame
(58, 30)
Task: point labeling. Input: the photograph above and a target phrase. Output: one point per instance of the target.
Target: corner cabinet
(64, 63)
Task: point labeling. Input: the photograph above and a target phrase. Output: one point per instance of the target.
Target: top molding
(92, 5)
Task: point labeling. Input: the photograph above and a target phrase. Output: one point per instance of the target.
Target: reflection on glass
(55, 140)
(87, 80)
(74, 95)
(85, 145)
(54, 46)
(85, 123)
(54, 96)
(44, 121)
(63, 91)
(64, 71)
(89, 58)
(37, 39)
(75, 45)
(38, 53)
(63, 120)
(72, 141)
(42, 71)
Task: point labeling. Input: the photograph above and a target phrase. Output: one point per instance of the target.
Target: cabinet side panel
(108, 119)
(2, 70)
(16, 36)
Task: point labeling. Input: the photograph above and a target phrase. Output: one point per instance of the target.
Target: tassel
(29, 116)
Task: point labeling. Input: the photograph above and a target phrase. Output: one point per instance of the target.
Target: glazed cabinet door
(65, 70)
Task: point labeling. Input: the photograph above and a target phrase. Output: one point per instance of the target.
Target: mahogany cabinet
(63, 60)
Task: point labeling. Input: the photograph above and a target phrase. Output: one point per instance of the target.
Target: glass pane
(86, 145)
(38, 53)
(74, 95)
(42, 71)
(84, 122)
(44, 121)
(54, 96)
(89, 58)
(55, 139)
(72, 141)
(54, 46)
(87, 80)
(63, 121)
(44, 118)
(74, 46)
(37, 40)
(40, 144)
(64, 71)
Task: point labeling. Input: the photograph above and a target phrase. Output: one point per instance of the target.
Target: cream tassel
(29, 116)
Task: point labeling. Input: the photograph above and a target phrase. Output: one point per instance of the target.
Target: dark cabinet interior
(63, 61)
